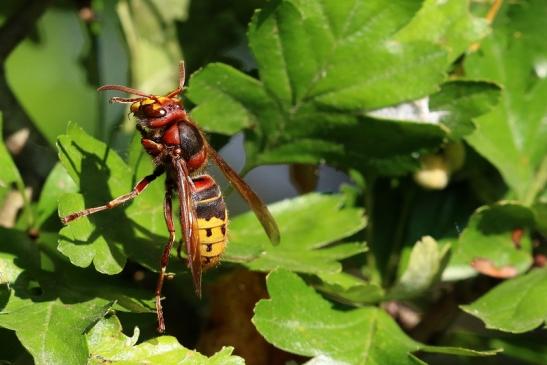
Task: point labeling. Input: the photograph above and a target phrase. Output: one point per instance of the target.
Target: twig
(17, 27)
(490, 16)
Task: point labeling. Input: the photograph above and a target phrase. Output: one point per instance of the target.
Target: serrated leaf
(229, 100)
(461, 101)
(447, 23)
(60, 339)
(426, 263)
(101, 175)
(308, 225)
(488, 236)
(517, 305)
(513, 135)
(57, 183)
(108, 344)
(298, 320)
(340, 54)
(349, 289)
(28, 267)
(313, 55)
(50, 303)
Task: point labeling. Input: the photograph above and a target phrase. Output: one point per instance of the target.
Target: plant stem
(537, 184)
(372, 265)
(393, 262)
(490, 16)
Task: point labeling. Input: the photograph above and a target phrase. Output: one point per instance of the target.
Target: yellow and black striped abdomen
(212, 220)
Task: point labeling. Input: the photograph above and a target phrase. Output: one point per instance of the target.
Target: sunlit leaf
(298, 320)
(102, 175)
(319, 62)
(425, 265)
(108, 344)
(305, 236)
(50, 303)
(461, 101)
(512, 136)
(517, 305)
(58, 183)
(448, 23)
(489, 236)
(61, 341)
(349, 289)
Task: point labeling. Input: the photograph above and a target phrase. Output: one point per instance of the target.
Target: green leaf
(9, 174)
(341, 55)
(107, 344)
(101, 174)
(512, 136)
(349, 289)
(368, 142)
(426, 263)
(319, 63)
(226, 99)
(54, 90)
(57, 183)
(462, 101)
(52, 331)
(447, 23)
(298, 320)
(305, 235)
(488, 236)
(517, 305)
(50, 303)
(35, 272)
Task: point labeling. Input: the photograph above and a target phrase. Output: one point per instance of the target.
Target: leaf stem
(537, 184)
(393, 261)
(372, 265)
(490, 16)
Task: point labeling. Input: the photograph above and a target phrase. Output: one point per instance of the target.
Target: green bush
(435, 110)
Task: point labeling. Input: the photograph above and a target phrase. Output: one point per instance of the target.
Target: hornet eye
(152, 111)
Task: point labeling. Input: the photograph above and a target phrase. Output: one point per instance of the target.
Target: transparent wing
(189, 222)
(256, 204)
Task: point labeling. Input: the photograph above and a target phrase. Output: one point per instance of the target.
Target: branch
(16, 28)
